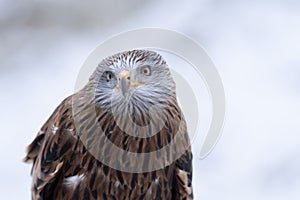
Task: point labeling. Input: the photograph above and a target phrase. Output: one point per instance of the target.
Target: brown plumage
(71, 156)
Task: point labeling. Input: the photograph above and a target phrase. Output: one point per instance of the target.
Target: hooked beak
(125, 82)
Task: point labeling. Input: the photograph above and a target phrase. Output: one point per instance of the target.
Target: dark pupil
(145, 71)
(108, 76)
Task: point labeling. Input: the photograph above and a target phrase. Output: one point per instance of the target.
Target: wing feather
(182, 183)
(51, 152)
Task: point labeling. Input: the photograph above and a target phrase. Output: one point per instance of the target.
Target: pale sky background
(255, 46)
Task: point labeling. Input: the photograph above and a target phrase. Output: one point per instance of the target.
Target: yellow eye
(108, 76)
(146, 70)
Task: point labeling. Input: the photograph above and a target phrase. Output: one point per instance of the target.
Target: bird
(122, 136)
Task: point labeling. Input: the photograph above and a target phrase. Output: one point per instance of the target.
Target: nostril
(128, 77)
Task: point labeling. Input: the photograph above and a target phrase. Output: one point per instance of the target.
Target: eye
(146, 70)
(109, 76)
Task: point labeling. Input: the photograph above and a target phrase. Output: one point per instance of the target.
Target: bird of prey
(122, 136)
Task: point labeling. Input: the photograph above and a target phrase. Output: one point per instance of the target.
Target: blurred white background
(255, 46)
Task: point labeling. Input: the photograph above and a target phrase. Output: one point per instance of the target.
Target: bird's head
(133, 81)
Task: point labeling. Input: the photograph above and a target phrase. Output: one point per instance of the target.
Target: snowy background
(255, 46)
